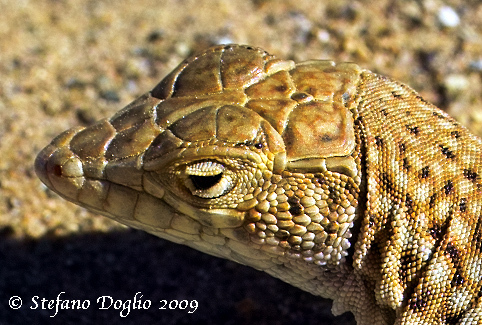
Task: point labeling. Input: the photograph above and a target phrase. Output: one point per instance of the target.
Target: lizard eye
(207, 179)
(205, 182)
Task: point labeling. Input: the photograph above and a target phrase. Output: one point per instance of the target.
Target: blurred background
(65, 63)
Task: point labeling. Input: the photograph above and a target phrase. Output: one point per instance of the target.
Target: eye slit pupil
(205, 182)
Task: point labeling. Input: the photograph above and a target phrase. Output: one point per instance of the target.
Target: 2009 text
(138, 302)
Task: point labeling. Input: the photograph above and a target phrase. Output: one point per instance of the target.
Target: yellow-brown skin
(332, 178)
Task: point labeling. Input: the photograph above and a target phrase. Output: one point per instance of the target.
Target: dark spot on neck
(435, 231)
(282, 234)
(418, 303)
(388, 184)
(470, 175)
(413, 130)
(447, 152)
(455, 134)
(420, 98)
(425, 172)
(331, 228)
(453, 319)
(409, 203)
(319, 181)
(463, 205)
(436, 114)
(458, 279)
(478, 234)
(378, 141)
(453, 253)
(431, 203)
(296, 208)
(406, 165)
(448, 187)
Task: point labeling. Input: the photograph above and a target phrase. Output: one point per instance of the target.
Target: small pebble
(476, 65)
(448, 17)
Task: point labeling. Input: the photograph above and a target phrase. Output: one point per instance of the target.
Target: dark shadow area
(120, 264)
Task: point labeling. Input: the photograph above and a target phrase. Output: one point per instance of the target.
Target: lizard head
(235, 153)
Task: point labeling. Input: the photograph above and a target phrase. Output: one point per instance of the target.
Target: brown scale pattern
(332, 178)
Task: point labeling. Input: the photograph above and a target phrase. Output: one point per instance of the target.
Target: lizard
(339, 181)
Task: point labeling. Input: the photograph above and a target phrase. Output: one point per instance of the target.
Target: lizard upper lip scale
(342, 182)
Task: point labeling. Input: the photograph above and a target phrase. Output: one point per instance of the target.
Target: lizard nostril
(57, 169)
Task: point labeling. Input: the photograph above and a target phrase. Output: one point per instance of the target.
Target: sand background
(65, 63)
